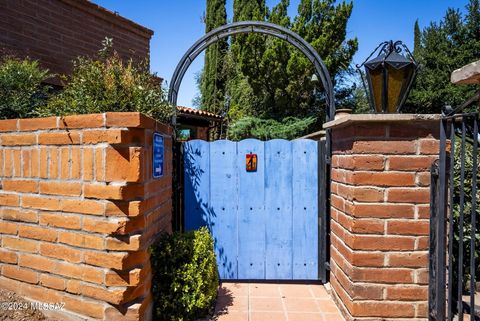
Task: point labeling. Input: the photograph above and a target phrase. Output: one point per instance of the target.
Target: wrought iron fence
(454, 234)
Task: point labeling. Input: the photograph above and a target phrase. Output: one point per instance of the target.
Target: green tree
(279, 74)
(213, 80)
(417, 38)
(443, 47)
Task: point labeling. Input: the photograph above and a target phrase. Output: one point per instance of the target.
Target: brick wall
(79, 209)
(380, 215)
(57, 31)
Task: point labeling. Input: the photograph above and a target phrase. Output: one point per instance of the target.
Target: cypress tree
(213, 79)
(416, 38)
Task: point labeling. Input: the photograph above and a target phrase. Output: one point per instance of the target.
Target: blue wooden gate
(265, 222)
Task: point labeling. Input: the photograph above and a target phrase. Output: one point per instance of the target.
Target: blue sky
(178, 24)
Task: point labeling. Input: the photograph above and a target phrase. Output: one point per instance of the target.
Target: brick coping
(381, 118)
(104, 120)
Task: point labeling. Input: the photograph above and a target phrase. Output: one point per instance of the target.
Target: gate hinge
(327, 266)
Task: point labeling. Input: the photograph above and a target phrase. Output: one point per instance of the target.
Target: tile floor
(274, 302)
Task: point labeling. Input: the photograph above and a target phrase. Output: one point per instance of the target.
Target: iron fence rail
(453, 229)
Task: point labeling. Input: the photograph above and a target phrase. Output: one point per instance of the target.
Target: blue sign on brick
(158, 145)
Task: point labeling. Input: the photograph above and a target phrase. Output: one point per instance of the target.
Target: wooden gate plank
(278, 206)
(251, 212)
(196, 184)
(305, 209)
(223, 205)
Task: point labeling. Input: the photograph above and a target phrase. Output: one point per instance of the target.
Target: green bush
(185, 278)
(106, 84)
(21, 89)
(265, 129)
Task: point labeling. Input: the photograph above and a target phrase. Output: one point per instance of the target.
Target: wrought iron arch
(252, 27)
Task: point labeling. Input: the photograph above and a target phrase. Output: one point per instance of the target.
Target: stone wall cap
(469, 74)
(381, 118)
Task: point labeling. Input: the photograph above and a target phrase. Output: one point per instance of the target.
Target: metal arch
(251, 27)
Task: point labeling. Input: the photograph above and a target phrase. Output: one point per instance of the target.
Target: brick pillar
(78, 210)
(380, 214)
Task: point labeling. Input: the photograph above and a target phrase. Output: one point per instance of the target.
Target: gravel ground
(14, 308)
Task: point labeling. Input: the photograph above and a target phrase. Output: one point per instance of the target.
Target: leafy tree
(213, 80)
(279, 74)
(21, 88)
(442, 48)
(417, 38)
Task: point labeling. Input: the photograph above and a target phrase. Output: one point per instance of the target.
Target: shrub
(21, 89)
(252, 127)
(185, 277)
(107, 83)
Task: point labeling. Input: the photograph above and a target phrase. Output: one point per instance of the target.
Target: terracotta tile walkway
(274, 302)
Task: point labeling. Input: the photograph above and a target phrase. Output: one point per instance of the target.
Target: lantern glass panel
(376, 81)
(398, 80)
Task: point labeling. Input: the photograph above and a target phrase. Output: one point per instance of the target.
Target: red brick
(124, 164)
(99, 164)
(65, 161)
(54, 163)
(18, 139)
(8, 228)
(61, 252)
(129, 119)
(113, 192)
(384, 211)
(37, 262)
(37, 233)
(111, 295)
(408, 227)
(43, 171)
(87, 307)
(7, 256)
(383, 178)
(75, 163)
(20, 186)
(382, 147)
(8, 125)
(39, 202)
(92, 207)
(382, 243)
(118, 278)
(60, 220)
(103, 259)
(26, 163)
(409, 259)
(81, 240)
(37, 123)
(410, 163)
(53, 282)
(409, 195)
(88, 168)
(429, 147)
(17, 168)
(128, 243)
(20, 244)
(21, 215)
(382, 275)
(35, 162)
(407, 293)
(82, 121)
(367, 226)
(59, 138)
(383, 309)
(8, 163)
(9, 199)
(424, 179)
(60, 188)
(14, 272)
(81, 272)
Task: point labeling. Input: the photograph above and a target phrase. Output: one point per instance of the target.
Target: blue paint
(158, 148)
(251, 212)
(305, 209)
(264, 223)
